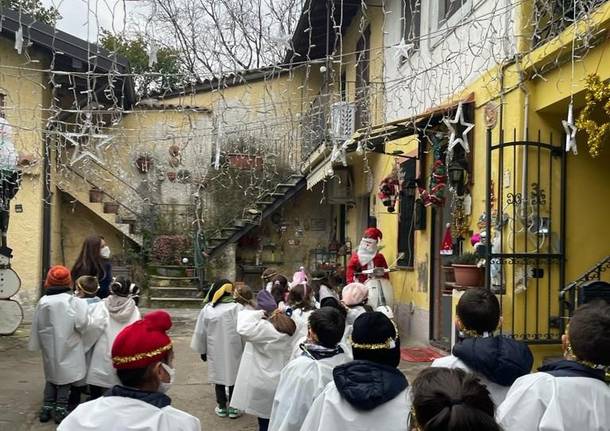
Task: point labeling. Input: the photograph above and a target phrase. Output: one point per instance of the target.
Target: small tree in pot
(466, 270)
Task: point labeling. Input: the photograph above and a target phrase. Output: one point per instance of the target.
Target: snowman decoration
(11, 313)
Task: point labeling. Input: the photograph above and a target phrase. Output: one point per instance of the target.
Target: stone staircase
(173, 286)
(254, 215)
(78, 189)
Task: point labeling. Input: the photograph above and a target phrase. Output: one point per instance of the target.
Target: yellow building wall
(26, 94)
(77, 223)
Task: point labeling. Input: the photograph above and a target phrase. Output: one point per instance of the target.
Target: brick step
(175, 292)
(157, 302)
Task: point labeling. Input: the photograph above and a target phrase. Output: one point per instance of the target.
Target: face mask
(105, 252)
(164, 386)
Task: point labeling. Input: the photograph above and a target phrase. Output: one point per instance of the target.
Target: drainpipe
(46, 211)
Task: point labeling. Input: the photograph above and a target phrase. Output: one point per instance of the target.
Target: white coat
(57, 325)
(496, 391)
(301, 320)
(101, 372)
(543, 402)
(331, 412)
(266, 353)
(127, 414)
(301, 382)
(216, 336)
(297, 351)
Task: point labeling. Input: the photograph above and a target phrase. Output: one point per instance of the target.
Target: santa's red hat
(373, 233)
(143, 342)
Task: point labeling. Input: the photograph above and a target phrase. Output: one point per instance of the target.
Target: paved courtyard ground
(22, 381)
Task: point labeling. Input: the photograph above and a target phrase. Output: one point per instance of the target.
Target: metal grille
(525, 232)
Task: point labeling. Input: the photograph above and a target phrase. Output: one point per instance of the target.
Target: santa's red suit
(366, 257)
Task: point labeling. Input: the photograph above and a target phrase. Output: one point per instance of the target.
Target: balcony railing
(552, 17)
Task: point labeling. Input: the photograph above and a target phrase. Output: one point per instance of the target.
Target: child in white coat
(497, 360)
(267, 351)
(305, 377)
(370, 392)
(217, 341)
(570, 394)
(59, 320)
(299, 308)
(119, 310)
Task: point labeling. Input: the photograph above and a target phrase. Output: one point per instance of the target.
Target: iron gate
(525, 253)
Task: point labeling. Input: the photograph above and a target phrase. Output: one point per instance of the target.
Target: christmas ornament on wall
(435, 195)
(597, 96)
(454, 139)
(447, 244)
(388, 193)
(570, 129)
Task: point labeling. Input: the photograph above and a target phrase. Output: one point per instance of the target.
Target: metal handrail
(78, 174)
(592, 274)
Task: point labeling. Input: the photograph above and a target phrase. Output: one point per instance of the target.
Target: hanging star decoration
(453, 132)
(403, 51)
(87, 143)
(570, 129)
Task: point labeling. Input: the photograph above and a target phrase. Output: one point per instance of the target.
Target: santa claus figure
(366, 257)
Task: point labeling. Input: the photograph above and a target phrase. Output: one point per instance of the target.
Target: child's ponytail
(449, 400)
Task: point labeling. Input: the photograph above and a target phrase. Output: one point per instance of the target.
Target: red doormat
(420, 354)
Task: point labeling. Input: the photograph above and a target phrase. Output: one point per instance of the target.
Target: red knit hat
(373, 233)
(142, 343)
(58, 276)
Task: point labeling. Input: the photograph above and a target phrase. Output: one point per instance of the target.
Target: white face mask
(164, 386)
(105, 252)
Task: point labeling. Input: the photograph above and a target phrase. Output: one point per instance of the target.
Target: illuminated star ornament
(570, 129)
(453, 132)
(403, 50)
(91, 146)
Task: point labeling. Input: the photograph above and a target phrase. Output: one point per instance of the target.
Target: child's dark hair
(279, 287)
(449, 399)
(88, 285)
(589, 333)
(331, 301)
(300, 297)
(137, 377)
(479, 310)
(243, 295)
(329, 325)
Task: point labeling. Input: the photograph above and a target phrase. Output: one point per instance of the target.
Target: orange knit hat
(58, 276)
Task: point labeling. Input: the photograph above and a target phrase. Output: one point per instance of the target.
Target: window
(363, 79)
(411, 21)
(448, 8)
(406, 225)
(2, 105)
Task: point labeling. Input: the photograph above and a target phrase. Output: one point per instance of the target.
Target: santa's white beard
(366, 251)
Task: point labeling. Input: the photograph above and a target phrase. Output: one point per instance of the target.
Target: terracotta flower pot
(469, 275)
(111, 208)
(96, 195)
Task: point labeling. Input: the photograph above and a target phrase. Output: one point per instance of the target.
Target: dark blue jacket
(366, 385)
(500, 359)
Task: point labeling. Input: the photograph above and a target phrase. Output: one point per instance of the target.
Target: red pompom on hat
(373, 233)
(143, 342)
(58, 276)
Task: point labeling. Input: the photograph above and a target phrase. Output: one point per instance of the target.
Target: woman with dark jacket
(94, 259)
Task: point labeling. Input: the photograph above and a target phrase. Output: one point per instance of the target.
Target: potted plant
(96, 195)
(466, 271)
(111, 207)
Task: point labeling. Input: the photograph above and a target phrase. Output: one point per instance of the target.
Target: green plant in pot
(466, 271)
